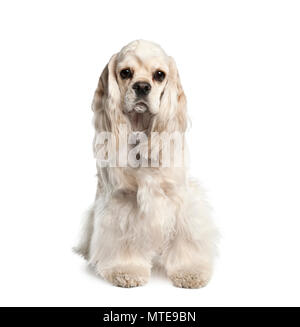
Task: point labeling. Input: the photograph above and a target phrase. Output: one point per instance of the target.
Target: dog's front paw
(127, 276)
(189, 279)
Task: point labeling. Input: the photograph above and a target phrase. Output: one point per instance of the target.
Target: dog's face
(140, 87)
(142, 72)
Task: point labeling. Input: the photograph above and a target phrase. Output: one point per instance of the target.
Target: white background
(240, 69)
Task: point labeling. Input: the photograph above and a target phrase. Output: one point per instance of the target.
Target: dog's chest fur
(145, 200)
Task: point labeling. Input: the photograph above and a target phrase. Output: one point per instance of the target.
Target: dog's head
(141, 71)
(140, 86)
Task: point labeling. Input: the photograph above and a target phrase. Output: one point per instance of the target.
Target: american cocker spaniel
(147, 210)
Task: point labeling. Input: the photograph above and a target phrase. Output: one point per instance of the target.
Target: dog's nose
(141, 88)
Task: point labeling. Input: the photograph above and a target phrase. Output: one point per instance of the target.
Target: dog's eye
(159, 76)
(126, 73)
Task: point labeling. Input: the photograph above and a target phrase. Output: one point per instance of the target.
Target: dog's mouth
(140, 107)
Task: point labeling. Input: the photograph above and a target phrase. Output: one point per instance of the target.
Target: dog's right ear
(106, 101)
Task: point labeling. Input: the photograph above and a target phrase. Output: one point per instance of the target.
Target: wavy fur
(146, 216)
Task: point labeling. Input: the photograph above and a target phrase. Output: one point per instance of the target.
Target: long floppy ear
(108, 116)
(172, 112)
(106, 103)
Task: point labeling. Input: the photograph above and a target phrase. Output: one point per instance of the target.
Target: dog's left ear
(172, 112)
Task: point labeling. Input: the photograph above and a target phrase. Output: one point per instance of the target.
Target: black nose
(141, 88)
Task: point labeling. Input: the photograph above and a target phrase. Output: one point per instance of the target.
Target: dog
(144, 215)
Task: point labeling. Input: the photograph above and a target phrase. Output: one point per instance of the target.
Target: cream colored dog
(145, 215)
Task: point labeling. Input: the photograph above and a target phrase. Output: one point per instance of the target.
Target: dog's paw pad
(187, 279)
(123, 279)
(128, 276)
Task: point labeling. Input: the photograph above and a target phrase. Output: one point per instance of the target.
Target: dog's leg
(128, 270)
(188, 259)
(119, 251)
(122, 264)
(186, 264)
